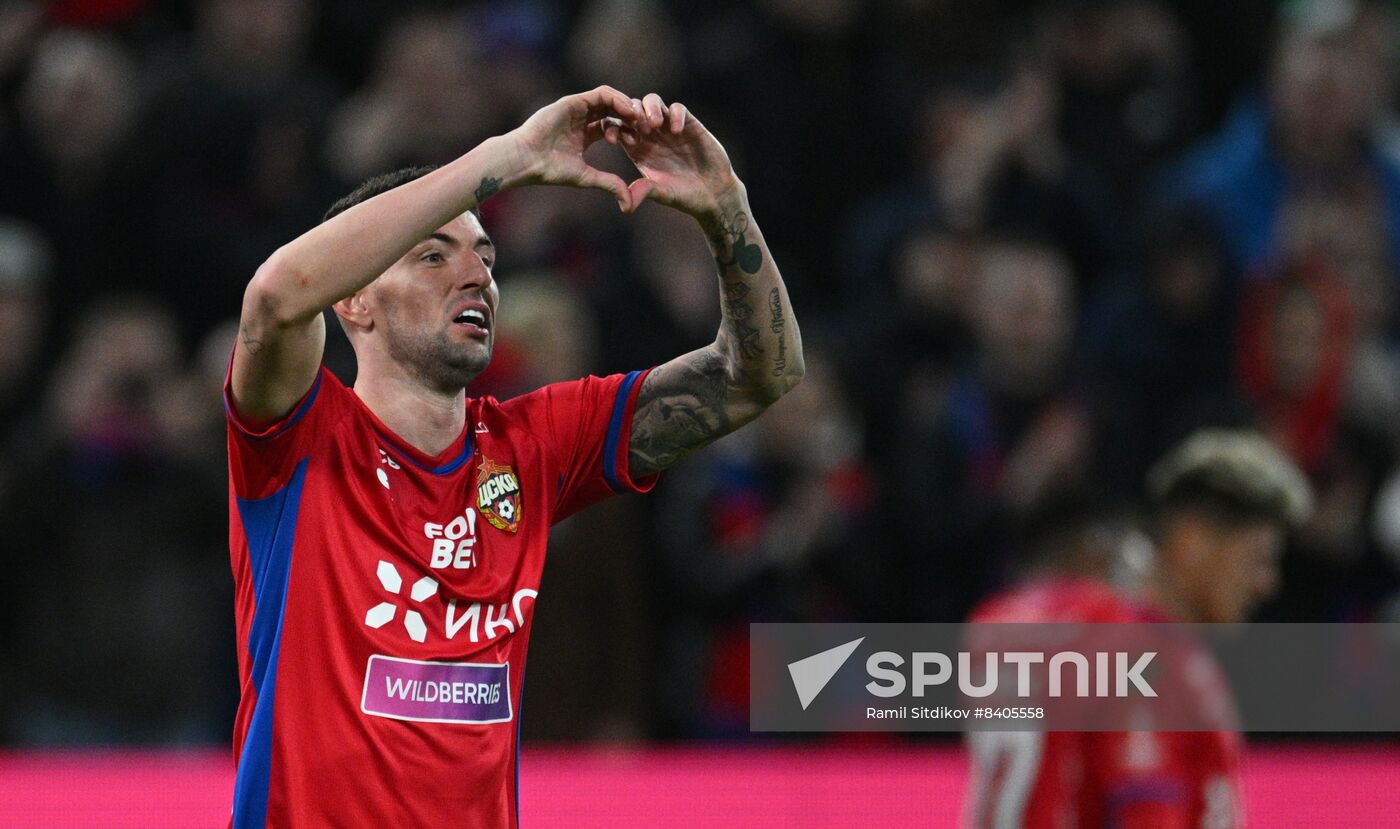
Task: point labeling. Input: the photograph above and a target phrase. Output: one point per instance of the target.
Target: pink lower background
(809, 787)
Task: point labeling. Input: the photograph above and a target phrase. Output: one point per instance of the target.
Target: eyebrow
(451, 240)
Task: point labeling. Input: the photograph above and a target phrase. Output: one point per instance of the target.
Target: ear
(354, 312)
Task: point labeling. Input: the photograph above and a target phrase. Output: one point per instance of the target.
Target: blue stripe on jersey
(615, 432)
(270, 526)
(451, 466)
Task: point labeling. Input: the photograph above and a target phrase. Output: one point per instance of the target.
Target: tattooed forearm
(680, 409)
(488, 187)
(698, 398)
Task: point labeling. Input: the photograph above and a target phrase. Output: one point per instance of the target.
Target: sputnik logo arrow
(810, 675)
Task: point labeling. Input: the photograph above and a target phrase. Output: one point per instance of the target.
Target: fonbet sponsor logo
(1064, 673)
(454, 542)
(482, 622)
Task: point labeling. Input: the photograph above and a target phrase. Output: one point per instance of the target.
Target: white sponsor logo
(454, 543)
(384, 612)
(508, 617)
(482, 622)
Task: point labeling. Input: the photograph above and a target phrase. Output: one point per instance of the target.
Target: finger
(641, 189)
(593, 132)
(605, 100)
(597, 179)
(678, 116)
(642, 122)
(607, 129)
(654, 109)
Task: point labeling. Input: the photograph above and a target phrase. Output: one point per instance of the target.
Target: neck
(428, 419)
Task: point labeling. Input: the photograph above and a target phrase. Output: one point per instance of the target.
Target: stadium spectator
(236, 119)
(914, 340)
(423, 102)
(1317, 127)
(1161, 351)
(1296, 349)
(987, 444)
(1126, 97)
(631, 44)
(71, 165)
(112, 554)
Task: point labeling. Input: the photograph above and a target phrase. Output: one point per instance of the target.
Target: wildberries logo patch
(498, 495)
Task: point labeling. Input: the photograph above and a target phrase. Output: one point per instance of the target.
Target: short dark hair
(1232, 478)
(1068, 529)
(383, 183)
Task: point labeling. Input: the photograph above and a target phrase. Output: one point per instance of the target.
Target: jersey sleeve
(585, 426)
(1150, 780)
(262, 459)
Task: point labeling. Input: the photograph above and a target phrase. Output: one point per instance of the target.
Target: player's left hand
(682, 164)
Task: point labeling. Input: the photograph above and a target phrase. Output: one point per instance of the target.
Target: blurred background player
(1219, 506)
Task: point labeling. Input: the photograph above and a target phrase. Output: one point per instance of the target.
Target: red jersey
(384, 599)
(1102, 780)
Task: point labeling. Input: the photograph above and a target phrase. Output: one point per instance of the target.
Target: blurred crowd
(1032, 245)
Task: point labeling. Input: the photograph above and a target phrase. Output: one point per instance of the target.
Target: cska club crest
(498, 495)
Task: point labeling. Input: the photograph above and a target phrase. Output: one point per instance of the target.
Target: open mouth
(474, 320)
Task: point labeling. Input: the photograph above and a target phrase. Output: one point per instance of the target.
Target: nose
(474, 274)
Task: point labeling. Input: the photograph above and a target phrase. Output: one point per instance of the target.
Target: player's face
(435, 309)
(1243, 571)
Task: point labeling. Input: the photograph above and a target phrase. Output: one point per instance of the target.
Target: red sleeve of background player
(1150, 780)
(586, 426)
(262, 459)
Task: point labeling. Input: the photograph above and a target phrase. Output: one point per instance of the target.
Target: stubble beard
(437, 362)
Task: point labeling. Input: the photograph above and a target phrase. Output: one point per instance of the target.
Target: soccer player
(1219, 506)
(387, 540)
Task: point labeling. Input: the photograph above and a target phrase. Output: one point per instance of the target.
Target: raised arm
(281, 333)
(756, 357)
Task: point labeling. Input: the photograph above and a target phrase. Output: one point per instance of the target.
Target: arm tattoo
(692, 401)
(733, 248)
(487, 188)
(776, 325)
(253, 346)
(680, 409)
(737, 312)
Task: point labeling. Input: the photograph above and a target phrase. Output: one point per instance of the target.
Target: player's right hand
(551, 143)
